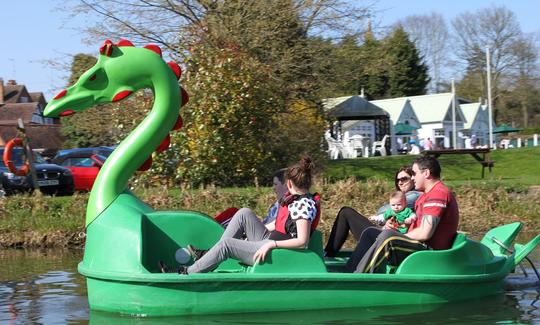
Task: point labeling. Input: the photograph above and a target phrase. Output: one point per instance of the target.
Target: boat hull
(126, 243)
(174, 295)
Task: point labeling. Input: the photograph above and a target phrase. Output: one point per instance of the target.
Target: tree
(250, 67)
(496, 28)
(525, 85)
(430, 35)
(346, 61)
(373, 77)
(407, 74)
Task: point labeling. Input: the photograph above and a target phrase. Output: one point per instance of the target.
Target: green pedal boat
(126, 238)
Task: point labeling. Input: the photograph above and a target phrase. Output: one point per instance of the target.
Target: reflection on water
(43, 286)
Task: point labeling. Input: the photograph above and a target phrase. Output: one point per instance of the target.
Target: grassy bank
(59, 221)
(514, 168)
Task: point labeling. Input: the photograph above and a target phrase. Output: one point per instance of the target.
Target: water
(43, 286)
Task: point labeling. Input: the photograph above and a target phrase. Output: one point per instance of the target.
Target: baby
(400, 216)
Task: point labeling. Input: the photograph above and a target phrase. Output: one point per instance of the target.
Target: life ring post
(29, 153)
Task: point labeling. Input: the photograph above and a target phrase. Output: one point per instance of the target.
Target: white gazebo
(358, 129)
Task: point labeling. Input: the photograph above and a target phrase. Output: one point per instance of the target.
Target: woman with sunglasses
(349, 219)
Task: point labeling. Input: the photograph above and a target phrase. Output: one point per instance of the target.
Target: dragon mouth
(67, 106)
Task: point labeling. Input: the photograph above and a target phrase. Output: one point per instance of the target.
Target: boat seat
(163, 232)
(279, 260)
(466, 256)
(505, 234)
(316, 243)
(460, 237)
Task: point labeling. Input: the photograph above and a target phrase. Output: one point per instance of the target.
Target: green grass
(514, 168)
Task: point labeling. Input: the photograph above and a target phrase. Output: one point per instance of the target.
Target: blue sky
(43, 34)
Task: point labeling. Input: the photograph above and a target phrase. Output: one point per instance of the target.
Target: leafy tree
(227, 120)
(249, 64)
(472, 85)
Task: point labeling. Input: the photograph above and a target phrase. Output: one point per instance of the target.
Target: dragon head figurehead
(120, 70)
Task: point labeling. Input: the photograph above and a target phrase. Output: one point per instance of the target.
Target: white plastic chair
(379, 146)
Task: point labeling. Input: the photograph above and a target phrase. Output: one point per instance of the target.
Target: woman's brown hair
(300, 173)
(405, 168)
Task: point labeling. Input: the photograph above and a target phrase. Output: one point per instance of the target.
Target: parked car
(51, 178)
(84, 164)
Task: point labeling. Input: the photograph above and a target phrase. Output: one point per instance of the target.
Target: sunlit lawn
(513, 168)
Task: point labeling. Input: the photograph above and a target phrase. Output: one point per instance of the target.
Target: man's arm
(426, 229)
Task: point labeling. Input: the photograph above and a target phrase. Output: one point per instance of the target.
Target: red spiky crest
(107, 48)
(153, 48)
(124, 42)
(175, 68)
(146, 165)
(178, 124)
(164, 145)
(185, 97)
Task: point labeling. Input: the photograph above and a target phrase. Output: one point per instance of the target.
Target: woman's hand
(260, 254)
(390, 224)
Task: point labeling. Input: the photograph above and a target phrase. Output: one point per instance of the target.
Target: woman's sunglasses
(404, 179)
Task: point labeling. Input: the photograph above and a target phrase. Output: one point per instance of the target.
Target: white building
(476, 126)
(435, 115)
(401, 112)
(361, 123)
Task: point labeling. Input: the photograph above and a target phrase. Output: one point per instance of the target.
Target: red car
(84, 164)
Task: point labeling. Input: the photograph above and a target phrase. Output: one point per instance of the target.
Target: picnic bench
(479, 154)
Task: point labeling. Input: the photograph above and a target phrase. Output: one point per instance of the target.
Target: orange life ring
(23, 171)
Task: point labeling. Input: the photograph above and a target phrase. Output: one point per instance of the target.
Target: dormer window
(24, 99)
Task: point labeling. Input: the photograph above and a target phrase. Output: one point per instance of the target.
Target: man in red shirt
(435, 226)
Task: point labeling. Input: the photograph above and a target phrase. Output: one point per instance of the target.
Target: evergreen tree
(347, 61)
(407, 74)
(373, 68)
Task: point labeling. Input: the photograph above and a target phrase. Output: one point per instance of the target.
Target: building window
(439, 132)
(37, 119)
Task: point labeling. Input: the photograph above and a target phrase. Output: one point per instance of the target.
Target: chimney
(362, 92)
(12, 82)
(1, 91)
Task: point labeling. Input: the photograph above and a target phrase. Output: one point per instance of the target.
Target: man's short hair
(431, 164)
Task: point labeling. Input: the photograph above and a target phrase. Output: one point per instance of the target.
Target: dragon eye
(93, 77)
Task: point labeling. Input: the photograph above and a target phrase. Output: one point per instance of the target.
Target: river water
(43, 286)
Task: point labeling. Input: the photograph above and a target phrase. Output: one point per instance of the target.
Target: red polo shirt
(440, 203)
